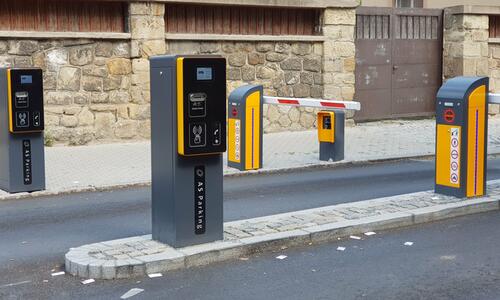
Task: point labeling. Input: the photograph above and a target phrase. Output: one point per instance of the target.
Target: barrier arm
(317, 103)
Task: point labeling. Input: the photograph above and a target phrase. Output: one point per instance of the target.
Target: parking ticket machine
(461, 137)
(22, 162)
(188, 137)
(331, 135)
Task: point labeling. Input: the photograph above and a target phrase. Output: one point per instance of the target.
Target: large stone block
(146, 27)
(104, 49)
(80, 56)
(209, 47)
(248, 73)
(475, 22)
(292, 64)
(119, 97)
(237, 59)
(95, 71)
(276, 57)
(339, 32)
(69, 79)
(126, 129)
(139, 112)
(104, 125)
(85, 117)
(339, 16)
(119, 66)
(153, 47)
(121, 50)
(301, 90)
(312, 64)
(58, 98)
(22, 47)
(301, 49)
(56, 58)
(255, 58)
(112, 82)
(264, 47)
(92, 83)
(264, 72)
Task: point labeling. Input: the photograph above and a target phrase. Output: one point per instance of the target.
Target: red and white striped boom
(317, 103)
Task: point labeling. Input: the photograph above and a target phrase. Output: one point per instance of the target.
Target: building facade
(94, 55)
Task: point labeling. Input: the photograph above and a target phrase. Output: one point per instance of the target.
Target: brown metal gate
(398, 61)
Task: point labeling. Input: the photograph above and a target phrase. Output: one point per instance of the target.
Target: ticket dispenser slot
(188, 137)
(461, 137)
(22, 162)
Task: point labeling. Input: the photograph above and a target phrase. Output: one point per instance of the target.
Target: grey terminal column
(22, 156)
(188, 137)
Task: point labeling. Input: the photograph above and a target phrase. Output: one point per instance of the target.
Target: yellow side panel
(252, 131)
(234, 140)
(475, 148)
(9, 101)
(448, 155)
(326, 135)
(180, 106)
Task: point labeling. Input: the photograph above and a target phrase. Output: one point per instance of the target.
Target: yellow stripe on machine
(252, 131)
(9, 102)
(180, 106)
(475, 147)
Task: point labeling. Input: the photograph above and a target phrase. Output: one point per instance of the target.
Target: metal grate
(372, 27)
(416, 27)
(205, 19)
(57, 15)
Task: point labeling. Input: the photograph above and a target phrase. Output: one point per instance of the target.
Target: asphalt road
(35, 234)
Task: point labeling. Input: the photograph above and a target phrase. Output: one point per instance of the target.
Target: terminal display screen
(25, 79)
(203, 73)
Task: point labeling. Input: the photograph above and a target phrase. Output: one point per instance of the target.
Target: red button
(449, 115)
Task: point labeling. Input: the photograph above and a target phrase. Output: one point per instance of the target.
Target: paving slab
(140, 255)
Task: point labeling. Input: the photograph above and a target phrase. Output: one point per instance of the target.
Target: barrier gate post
(461, 137)
(245, 128)
(245, 125)
(188, 137)
(22, 156)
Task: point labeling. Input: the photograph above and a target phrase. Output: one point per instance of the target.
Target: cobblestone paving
(343, 212)
(143, 248)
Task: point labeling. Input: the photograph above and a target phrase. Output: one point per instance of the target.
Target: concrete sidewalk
(96, 167)
(140, 255)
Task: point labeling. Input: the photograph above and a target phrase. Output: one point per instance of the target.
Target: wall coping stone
(237, 37)
(277, 3)
(474, 10)
(65, 35)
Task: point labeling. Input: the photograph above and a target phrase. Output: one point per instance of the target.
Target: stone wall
(86, 87)
(97, 87)
(465, 45)
(494, 67)
(287, 69)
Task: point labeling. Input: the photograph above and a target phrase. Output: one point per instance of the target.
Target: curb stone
(140, 255)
